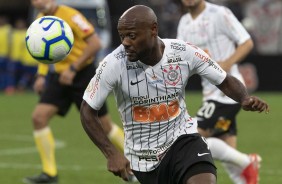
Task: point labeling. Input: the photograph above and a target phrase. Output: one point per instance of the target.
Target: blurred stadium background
(78, 159)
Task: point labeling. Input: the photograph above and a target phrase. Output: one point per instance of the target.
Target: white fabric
(232, 160)
(217, 31)
(225, 153)
(151, 99)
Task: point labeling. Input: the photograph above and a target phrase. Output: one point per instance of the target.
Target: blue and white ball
(49, 39)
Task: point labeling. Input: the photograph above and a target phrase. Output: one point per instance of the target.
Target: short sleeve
(231, 26)
(100, 85)
(204, 66)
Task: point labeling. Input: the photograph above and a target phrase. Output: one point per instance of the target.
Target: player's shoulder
(178, 48)
(172, 41)
(185, 17)
(117, 56)
(178, 45)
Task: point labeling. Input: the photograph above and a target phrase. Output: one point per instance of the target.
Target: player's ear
(155, 29)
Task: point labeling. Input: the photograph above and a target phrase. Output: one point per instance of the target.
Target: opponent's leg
(114, 132)
(45, 144)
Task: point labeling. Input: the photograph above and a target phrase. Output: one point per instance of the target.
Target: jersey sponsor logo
(222, 124)
(133, 66)
(153, 158)
(133, 83)
(156, 154)
(159, 81)
(173, 74)
(159, 151)
(120, 55)
(144, 100)
(156, 112)
(178, 46)
(202, 57)
(94, 86)
(174, 59)
(81, 23)
(209, 61)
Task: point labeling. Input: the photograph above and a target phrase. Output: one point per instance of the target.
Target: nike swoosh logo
(133, 83)
(49, 26)
(202, 154)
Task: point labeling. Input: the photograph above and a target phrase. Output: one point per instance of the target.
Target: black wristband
(72, 68)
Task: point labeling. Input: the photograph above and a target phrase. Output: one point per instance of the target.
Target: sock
(232, 160)
(116, 136)
(223, 152)
(45, 143)
(234, 172)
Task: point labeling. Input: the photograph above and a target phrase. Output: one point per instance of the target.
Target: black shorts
(63, 96)
(188, 156)
(218, 118)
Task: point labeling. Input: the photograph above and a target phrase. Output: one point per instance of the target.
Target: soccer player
(65, 85)
(148, 76)
(216, 30)
(5, 31)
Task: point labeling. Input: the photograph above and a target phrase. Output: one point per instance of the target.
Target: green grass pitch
(80, 162)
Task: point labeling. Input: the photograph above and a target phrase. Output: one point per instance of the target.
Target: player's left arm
(229, 85)
(240, 53)
(235, 89)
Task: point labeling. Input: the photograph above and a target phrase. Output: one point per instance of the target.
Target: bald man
(148, 76)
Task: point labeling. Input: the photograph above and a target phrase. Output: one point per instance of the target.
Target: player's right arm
(117, 163)
(104, 81)
(39, 82)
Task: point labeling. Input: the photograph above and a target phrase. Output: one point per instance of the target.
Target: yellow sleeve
(42, 69)
(79, 24)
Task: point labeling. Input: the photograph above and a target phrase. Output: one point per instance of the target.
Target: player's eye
(132, 36)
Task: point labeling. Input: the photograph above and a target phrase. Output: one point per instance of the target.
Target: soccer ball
(49, 39)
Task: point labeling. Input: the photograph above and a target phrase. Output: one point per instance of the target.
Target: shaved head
(138, 31)
(138, 14)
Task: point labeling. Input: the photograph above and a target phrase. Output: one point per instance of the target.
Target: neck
(197, 10)
(156, 54)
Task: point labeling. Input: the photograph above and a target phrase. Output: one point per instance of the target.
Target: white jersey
(217, 31)
(151, 99)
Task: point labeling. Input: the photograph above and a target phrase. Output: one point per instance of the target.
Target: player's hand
(66, 77)
(39, 84)
(119, 166)
(253, 103)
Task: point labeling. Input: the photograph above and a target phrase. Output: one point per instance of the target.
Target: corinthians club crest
(173, 75)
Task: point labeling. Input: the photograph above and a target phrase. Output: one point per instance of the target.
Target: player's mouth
(129, 53)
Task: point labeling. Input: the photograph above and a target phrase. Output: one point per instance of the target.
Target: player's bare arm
(241, 52)
(117, 163)
(39, 84)
(233, 88)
